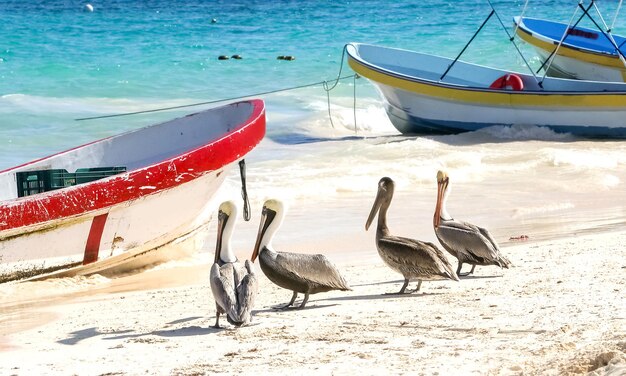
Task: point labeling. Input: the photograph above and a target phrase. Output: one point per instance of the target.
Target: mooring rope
(608, 34)
(244, 190)
(512, 40)
(323, 83)
(554, 53)
(619, 6)
(354, 101)
(328, 89)
(521, 18)
(467, 45)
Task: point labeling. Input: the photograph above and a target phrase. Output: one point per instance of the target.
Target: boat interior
(123, 153)
(578, 37)
(417, 66)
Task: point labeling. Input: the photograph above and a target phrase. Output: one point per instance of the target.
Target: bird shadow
(184, 320)
(188, 331)
(382, 296)
(378, 283)
(470, 277)
(83, 334)
(280, 308)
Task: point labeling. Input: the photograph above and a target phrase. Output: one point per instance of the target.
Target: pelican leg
(419, 284)
(293, 299)
(306, 299)
(458, 270)
(217, 320)
(406, 283)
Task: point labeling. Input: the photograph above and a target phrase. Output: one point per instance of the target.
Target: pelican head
(271, 218)
(386, 187)
(442, 188)
(226, 218)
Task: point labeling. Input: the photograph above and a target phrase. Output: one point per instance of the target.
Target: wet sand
(558, 311)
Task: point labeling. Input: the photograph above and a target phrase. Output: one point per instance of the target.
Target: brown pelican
(412, 258)
(234, 286)
(470, 244)
(300, 273)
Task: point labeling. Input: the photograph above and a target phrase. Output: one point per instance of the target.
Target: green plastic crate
(33, 182)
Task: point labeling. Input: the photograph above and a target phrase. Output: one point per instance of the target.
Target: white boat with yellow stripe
(424, 93)
(574, 51)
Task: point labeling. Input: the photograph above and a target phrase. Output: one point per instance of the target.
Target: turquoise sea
(60, 62)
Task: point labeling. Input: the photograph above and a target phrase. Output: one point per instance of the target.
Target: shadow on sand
(389, 295)
(470, 277)
(310, 305)
(80, 335)
(192, 330)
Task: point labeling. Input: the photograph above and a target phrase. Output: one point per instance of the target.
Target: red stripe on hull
(92, 248)
(82, 199)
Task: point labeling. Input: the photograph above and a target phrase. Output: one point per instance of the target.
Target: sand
(560, 310)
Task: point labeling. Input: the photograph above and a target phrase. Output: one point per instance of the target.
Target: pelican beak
(377, 203)
(222, 218)
(267, 216)
(441, 188)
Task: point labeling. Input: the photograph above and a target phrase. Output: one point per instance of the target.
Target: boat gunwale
(23, 214)
(526, 92)
(547, 39)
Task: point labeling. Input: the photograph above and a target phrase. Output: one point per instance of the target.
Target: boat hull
(420, 114)
(130, 229)
(418, 105)
(147, 215)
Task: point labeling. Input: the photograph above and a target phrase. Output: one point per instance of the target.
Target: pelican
(412, 258)
(300, 273)
(469, 243)
(234, 286)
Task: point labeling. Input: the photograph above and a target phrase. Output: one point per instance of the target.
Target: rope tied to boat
(244, 190)
(328, 89)
(521, 17)
(213, 101)
(553, 54)
(512, 40)
(607, 34)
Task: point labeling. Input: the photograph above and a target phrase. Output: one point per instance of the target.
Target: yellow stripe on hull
(480, 96)
(564, 50)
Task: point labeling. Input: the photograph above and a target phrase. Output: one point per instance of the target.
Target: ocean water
(59, 63)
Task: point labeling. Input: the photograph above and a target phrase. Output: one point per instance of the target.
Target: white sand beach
(559, 311)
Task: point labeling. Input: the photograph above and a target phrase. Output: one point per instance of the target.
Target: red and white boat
(153, 195)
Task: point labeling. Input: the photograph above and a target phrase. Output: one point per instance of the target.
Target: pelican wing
(315, 269)
(223, 287)
(246, 292)
(504, 261)
(423, 258)
(469, 239)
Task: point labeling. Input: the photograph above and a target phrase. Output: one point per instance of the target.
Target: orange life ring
(508, 81)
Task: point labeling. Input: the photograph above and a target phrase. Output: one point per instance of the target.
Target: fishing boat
(576, 52)
(122, 202)
(424, 93)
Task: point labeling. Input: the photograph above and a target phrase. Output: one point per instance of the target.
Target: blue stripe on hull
(408, 124)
